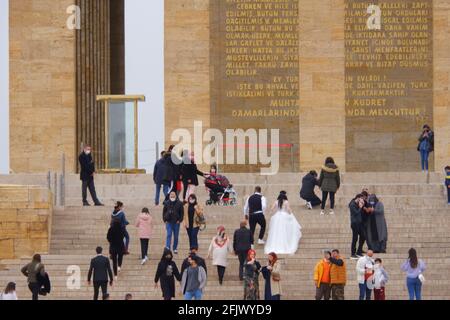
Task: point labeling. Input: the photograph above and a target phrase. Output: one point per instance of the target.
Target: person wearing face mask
(380, 279)
(173, 214)
(364, 274)
(219, 249)
(87, 171)
(166, 273)
(192, 212)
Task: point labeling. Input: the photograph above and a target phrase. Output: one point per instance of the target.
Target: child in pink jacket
(144, 225)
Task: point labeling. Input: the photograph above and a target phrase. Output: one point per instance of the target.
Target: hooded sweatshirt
(144, 225)
(120, 215)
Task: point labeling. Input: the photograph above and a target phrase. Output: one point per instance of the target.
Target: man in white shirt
(254, 209)
(364, 273)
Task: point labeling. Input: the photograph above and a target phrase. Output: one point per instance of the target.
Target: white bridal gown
(284, 231)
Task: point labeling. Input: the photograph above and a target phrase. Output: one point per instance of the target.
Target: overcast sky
(144, 75)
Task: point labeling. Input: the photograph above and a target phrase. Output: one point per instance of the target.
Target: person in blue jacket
(119, 214)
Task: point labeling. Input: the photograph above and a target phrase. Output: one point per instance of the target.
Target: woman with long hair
(9, 293)
(251, 276)
(32, 271)
(271, 274)
(414, 269)
(329, 183)
(284, 229)
(218, 249)
(192, 212)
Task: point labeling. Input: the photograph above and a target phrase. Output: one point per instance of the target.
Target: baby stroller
(220, 190)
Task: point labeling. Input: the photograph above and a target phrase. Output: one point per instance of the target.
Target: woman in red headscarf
(271, 274)
(218, 249)
(251, 276)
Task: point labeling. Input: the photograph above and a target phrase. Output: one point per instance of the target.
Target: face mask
(88, 152)
(173, 199)
(192, 201)
(377, 266)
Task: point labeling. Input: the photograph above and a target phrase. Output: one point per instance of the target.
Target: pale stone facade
(42, 86)
(322, 77)
(43, 91)
(25, 215)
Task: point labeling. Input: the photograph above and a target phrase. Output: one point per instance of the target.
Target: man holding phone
(356, 219)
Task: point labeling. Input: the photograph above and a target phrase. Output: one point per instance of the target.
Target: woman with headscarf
(166, 273)
(377, 234)
(218, 250)
(271, 274)
(252, 269)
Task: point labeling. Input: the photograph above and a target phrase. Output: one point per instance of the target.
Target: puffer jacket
(330, 179)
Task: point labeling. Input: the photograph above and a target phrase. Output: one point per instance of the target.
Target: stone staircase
(416, 213)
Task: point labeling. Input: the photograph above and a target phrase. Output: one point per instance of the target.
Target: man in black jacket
(101, 267)
(187, 262)
(356, 219)
(173, 214)
(242, 243)
(309, 182)
(158, 179)
(87, 171)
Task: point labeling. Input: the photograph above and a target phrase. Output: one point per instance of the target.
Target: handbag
(421, 278)
(200, 220)
(276, 277)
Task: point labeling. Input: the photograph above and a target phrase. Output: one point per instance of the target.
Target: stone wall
(42, 86)
(187, 65)
(322, 81)
(25, 221)
(322, 112)
(441, 110)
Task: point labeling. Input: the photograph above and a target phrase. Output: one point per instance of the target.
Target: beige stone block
(8, 215)
(6, 248)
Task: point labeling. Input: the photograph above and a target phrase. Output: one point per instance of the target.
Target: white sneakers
(144, 261)
(118, 270)
(261, 241)
(331, 212)
(309, 205)
(322, 213)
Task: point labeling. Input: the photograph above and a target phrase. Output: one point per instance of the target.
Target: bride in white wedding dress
(284, 229)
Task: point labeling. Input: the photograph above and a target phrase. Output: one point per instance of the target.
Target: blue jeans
(158, 192)
(193, 237)
(424, 154)
(414, 288)
(194, 294)
(448, 194)
(364, 292)
(175, 229)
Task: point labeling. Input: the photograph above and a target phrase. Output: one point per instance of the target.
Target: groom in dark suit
(101, 267)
